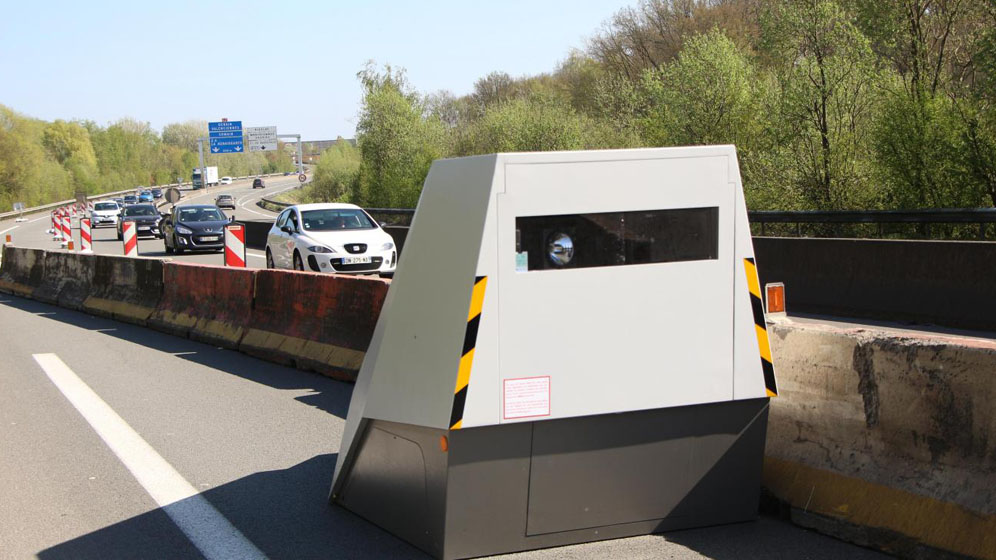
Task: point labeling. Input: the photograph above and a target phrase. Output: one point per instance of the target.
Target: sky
(289, 64)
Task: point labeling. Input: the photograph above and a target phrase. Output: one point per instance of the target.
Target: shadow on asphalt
(327, 394)
(283, 512)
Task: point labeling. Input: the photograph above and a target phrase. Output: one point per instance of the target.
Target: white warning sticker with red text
(527, 397)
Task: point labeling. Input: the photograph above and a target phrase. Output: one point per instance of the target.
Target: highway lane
(258, 442)
(33, 233)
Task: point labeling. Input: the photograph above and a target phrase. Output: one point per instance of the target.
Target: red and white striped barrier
(57, 225)
(130, 239)
(235, 245)
(85, 240)
(67, 228)
(51, 230)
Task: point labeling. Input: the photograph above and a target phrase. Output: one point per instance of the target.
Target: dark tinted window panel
(616, 238)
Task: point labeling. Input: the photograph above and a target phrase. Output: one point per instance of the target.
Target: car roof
(326, 206)
(142, 206)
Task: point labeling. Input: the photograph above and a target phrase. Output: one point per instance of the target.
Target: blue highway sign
(225, 129)
(226, 145)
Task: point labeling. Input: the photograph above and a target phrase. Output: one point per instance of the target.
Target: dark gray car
(195, 227)
(146, 218)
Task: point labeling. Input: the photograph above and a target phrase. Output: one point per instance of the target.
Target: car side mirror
(231, 218)
(286, 229)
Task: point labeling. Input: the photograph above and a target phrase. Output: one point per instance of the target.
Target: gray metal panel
(632, 467)
(398, 481)
(413, 373)
(490, 489)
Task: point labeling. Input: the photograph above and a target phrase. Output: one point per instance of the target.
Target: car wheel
(298, 264)
(120, 236)
(269, 258)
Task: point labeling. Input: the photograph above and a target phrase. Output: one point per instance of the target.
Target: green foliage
(336, 174)
(398, 140)
(46, 162)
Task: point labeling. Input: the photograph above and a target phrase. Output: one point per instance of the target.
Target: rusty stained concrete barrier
(884, 438)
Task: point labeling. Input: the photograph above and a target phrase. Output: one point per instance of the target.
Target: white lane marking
(9, 229)
(207, 529)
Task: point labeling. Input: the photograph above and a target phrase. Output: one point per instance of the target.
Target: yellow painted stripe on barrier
(463, 376)
(457, 426)
(763, 343)
(753, 284)
(477, 298)
(938, 524)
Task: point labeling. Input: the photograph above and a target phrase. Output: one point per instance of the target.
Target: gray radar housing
(573, 349)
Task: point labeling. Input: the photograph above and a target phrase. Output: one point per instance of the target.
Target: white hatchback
(225, 181)
(331, 237)
(104, 213)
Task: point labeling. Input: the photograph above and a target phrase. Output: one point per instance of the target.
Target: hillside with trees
(832, 104)
(43, 162)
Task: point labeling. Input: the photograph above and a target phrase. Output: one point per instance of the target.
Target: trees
(827, 100)
(336, 173)
(398, 140)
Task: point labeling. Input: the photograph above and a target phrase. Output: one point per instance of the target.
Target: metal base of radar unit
(573, 349)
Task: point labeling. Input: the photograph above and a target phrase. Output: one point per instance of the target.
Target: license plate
(143, 228)
(209, 238)
(355, 260)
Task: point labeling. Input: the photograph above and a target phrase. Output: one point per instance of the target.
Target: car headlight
(387, 247)
(320, 249)
(183, 230)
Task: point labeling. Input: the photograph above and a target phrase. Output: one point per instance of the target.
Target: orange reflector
(775, 297)
(7, 240)
(69, 245)
(444, 444)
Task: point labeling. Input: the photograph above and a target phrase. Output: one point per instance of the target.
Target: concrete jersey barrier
(314, 321)
(23, 270)
(886, 439)
(125, 288)
(207, 303)
(67, 280)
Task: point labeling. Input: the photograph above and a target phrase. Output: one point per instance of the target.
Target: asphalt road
(105, 242)
(122, 442)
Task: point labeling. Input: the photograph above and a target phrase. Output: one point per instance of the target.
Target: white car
(104, 213)
(330, 238)
(226, 181)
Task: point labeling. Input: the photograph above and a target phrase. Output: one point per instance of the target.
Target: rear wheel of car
(298, 263)
(269, 258)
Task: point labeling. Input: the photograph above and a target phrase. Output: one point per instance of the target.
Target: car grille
(365, 267)
(356, 248)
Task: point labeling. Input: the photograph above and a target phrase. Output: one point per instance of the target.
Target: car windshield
(199, 215)
(105, 206)
(225, 197)
(335, 219)
(140, 211)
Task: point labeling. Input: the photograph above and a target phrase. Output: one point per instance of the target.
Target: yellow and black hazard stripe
(756, 305)
(467, 357)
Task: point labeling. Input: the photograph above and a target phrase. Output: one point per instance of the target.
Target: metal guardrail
(101, 196)
(922, 219)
